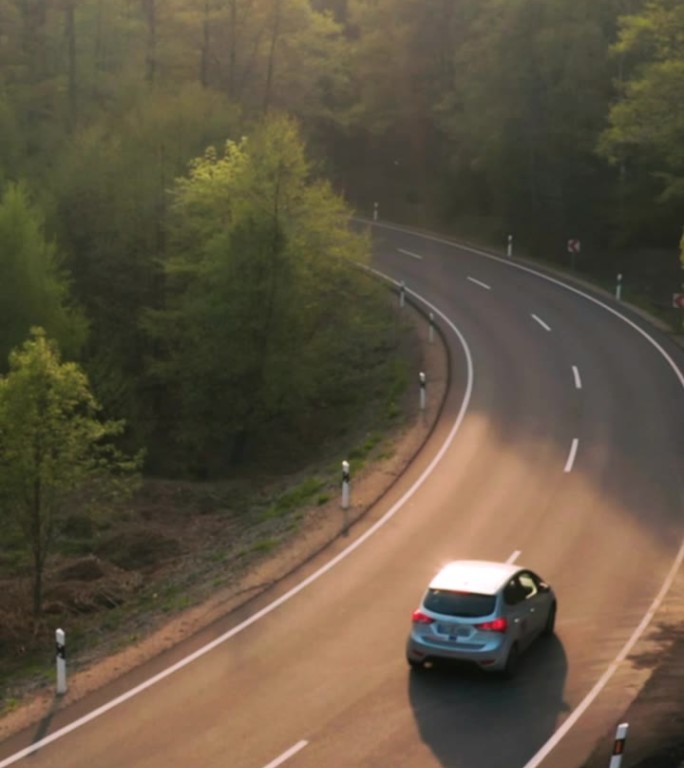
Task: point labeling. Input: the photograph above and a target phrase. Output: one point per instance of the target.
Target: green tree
(55, 454)
(34, 289)
(110, 189)
(264, 308)
(391, 124)
(268, 54)
(530, 88)
(420, 39)
(647, 123)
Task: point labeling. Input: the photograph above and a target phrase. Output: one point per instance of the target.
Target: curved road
(561, 445)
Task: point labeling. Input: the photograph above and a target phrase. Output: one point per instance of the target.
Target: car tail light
(420, 618)
(498, 625)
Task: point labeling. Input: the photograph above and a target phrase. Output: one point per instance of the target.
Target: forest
(177, 179)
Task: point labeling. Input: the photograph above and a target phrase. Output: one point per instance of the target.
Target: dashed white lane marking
(576, 374)
(460, 416)
(571, 455)
(411, 254)
(287, 755)
(541, 322)
(522, 268)
(513, 557)
(480, 283)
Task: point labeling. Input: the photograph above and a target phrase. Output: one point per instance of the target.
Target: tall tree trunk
(232, 48)
(97, 57)
(275, 34)
(150, 9)
(262, 337)
(34, 13)
(37, 585)
(70, 32)
(37, 535)
(204, 61)
(161, 207)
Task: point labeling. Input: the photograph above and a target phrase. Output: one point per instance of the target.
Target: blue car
(480, 612)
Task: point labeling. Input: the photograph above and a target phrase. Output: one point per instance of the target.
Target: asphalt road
(561, 444)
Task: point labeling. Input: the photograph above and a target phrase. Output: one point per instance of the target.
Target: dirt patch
(215, 556)
(89, 585)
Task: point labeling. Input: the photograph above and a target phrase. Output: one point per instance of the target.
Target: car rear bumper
(491, 657)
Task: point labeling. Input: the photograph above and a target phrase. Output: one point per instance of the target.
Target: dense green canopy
(203, 262)
(267, 315)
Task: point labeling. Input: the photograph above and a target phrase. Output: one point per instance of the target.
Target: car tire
(550, 625)
(512, 662)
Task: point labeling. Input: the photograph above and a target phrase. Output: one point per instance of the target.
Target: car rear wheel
(550, 625)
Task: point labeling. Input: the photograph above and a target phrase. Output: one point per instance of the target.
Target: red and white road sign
(574, 246)
(678, 300)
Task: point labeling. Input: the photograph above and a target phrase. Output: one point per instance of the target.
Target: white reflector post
(346, 479)
(345, 484)
(60, 641)
(422, 378)
(619, 745)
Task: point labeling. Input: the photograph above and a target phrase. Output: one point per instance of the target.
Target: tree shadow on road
(667, 637)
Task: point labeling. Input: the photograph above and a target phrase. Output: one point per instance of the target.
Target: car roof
(485, 577)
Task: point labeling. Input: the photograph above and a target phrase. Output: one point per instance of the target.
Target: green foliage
(224, 318)
(110, 206)
(10, 141)
(265, 545)
(296, 497)
(56, 455)
(266, 314)
(647, 123)
(33, 289)
(528, 99)
(363, 450)
(176, 602)
(9, 705)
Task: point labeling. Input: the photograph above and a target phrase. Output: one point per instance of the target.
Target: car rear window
(459, 603)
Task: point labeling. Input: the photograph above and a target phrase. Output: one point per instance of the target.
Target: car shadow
(474, 719)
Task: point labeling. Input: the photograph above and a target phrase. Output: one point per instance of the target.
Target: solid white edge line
(603, 680)
(576, 375)
(571, 456)
(541, 322)
(513, 557)
(287, 755)
(411, 254)
(303, 584)
(601, 683)
(480, 283)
